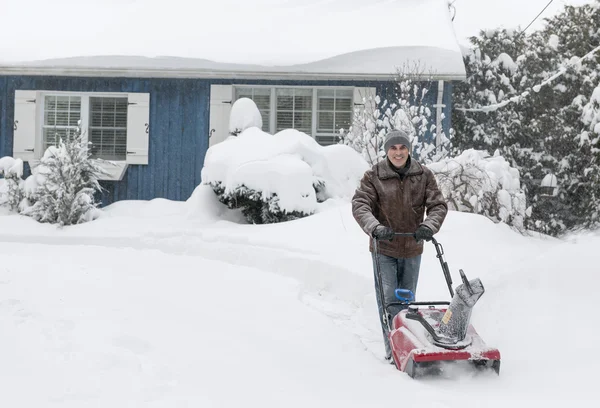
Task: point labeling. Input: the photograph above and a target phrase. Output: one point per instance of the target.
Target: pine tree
(70, 180)
(542, 131)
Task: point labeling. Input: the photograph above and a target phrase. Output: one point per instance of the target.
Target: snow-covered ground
(172, 304)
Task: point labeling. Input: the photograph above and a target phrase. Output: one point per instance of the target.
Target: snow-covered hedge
(280, 177)
(475, 182)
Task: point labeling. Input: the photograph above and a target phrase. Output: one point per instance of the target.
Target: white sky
(242, 31)
(473, 15)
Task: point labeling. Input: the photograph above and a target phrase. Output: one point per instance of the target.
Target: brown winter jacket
(384, 199)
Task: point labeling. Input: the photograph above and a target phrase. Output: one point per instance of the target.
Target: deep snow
(167, 304)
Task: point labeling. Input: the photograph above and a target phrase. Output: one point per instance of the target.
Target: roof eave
(205, 74)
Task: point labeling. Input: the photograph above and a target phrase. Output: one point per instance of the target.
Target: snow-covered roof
(379, 63)
(270, 39)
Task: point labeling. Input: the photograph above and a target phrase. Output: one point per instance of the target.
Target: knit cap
(396, 137)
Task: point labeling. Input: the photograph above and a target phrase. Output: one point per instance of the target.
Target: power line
(536, 17)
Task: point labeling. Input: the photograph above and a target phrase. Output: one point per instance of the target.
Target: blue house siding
(179, 126)
(178, 131)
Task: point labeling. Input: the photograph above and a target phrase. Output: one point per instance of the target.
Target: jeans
(396, 273)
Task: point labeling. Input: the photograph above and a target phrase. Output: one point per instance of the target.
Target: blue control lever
(405, 295)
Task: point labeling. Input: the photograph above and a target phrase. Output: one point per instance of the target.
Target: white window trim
(115, 168)
(273, 107)
(316, 103)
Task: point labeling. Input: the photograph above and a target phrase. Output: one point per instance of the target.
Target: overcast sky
(245, 31)
(473, 15)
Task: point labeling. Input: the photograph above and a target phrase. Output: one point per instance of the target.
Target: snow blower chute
(430, 339)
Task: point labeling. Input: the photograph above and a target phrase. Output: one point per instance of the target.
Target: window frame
(85, 115)
(273, 100)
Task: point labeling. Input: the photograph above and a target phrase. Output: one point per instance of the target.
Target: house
(155, 118)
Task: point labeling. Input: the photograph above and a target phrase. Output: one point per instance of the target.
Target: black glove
(423, 233)
(383, 232)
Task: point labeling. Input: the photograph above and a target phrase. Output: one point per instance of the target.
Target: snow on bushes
(11, 187)
(60, 189)
(244, 115)
(280, 177)
(475, 182)
(63, 185)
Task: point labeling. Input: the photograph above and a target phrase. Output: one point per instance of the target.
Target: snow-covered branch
(535, 88)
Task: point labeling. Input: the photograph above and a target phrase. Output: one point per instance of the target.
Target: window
(334, 112)
(107, 123)
(317, 111)
(108, 128)
(115, 124)
(294, 109)
(61, 118)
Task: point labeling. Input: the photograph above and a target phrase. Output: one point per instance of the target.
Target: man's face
(398, 154)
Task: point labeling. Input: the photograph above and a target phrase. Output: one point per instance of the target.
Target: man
(393, 197)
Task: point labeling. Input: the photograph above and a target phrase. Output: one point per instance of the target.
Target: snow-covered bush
(244, 114)
(61, 188)
(11, 187)
(280, 177)
(477, 183)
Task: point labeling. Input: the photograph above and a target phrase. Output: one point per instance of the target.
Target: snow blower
(430, 339)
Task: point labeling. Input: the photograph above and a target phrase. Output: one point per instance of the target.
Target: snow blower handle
(405, 234)
(440, 255)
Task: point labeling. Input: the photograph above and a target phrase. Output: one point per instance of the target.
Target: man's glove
(383, 232)
(423, 233)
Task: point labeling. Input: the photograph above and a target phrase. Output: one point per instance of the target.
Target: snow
(151, 306)
(287, 164)
(506, 62)
(553, 41)
(241, 36)
(244, 114)
(489, 184)
(549, 180)
(8, 165)
(266, 32)
(591, 111)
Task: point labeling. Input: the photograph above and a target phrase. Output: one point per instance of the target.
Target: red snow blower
(430, 340)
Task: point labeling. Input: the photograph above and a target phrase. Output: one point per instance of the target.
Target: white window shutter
(24, 125)
(138, 128)
(221, 100)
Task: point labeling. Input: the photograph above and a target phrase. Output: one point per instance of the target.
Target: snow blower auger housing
(429, 337)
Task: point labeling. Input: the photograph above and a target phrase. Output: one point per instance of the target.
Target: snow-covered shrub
(477, 183)
(244, 114)
(11, 187)
(61, 188)
(280, 177)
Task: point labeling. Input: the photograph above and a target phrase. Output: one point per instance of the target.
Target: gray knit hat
(396, 137)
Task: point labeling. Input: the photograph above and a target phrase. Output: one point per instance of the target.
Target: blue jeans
(396, 273)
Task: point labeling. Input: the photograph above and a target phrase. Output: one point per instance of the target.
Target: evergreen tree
(69, 181)
(542, 130)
